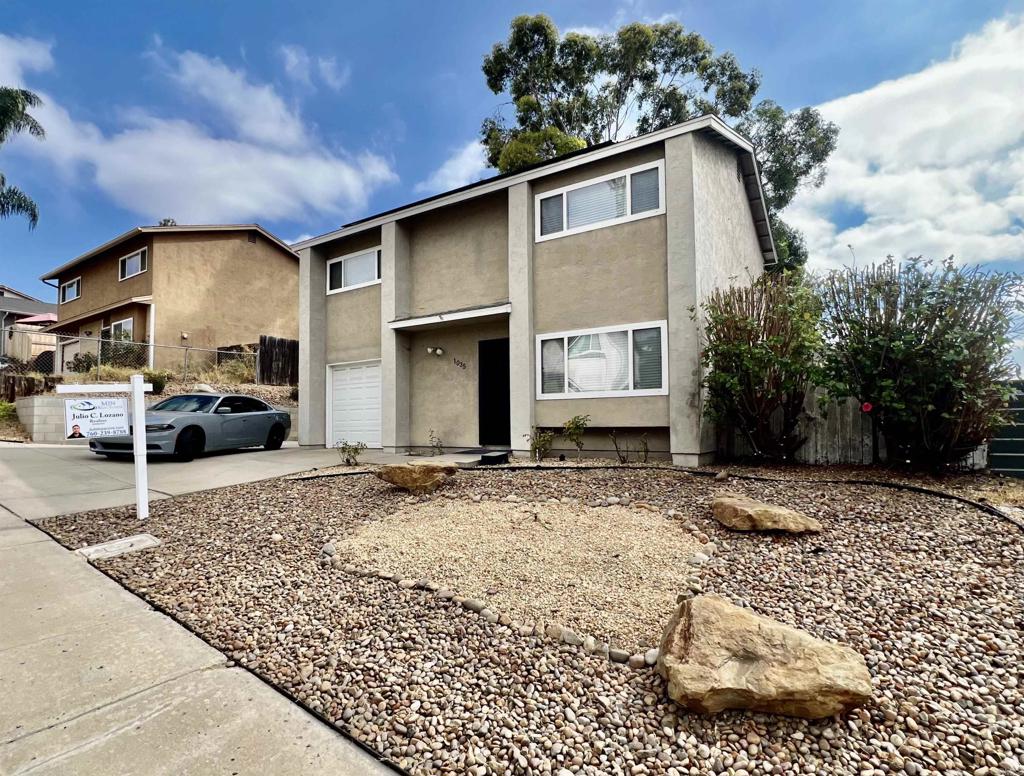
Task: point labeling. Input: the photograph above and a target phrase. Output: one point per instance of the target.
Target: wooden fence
(838, 432)
(276, 362)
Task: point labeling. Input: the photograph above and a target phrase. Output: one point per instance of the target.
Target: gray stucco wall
(353, 325)
(443, 393)
(458, 256)
(728, 252)
(604, 277)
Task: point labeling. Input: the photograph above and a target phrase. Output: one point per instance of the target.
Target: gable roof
(277, 242)
(16, 292)
(12, 304)
(708, 124)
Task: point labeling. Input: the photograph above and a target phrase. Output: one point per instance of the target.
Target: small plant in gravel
(349, 451)
(624, 449)
(436, 445)
(158, 378)
(573, 429)
(540, 441)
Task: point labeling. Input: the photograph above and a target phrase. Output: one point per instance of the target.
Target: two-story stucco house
(525, 299)
(199, 286)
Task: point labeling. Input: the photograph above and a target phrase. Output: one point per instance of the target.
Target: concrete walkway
(95, 681)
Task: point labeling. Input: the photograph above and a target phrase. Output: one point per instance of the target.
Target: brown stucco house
(203, 286)
(525, 299)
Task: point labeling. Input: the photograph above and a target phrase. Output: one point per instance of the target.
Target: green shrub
(8, 411)
(761, 353)
(540, 443)
(82, 362)
(573, 430)
(436, 445)
(158, 378)
(349, 451)
(926, 350)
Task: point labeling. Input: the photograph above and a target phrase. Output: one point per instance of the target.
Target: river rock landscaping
(928, 590)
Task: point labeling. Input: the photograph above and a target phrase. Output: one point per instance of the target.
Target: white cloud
(466, 165)
(333, 75)
(264, 165)
(296, 63)
(255, 111)
(933, 160)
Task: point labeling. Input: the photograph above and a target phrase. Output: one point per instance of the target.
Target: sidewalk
(94, 681)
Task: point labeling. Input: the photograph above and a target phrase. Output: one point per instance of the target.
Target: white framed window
(353, 270)
(605, 362)
(133, 264)
(71, 290)
(627, 195)
(122, 331)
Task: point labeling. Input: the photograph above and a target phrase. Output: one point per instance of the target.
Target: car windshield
(185, 404)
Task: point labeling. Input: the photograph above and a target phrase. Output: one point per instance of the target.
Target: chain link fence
(30, 352)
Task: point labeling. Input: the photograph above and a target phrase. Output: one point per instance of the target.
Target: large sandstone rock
(745, 514)
(416, 478)
(717, 656)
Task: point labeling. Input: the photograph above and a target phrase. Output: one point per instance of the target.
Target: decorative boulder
(416, 478)
(717, 656)
(745, 514)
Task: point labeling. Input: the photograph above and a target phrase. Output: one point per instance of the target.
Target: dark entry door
(494, 394)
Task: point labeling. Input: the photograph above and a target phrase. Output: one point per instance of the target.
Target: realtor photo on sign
(86, 418)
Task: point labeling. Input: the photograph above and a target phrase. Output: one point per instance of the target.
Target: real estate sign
(99, 417)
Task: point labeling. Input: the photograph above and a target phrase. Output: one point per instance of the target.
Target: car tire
(275, 438)
(189, 444)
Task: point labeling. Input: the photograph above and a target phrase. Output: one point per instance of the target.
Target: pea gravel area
(928, 590)
(588, 568)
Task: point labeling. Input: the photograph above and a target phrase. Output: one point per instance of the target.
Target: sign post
(86, 419)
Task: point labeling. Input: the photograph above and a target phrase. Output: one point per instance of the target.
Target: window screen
(354, 271)
(644, 190)
(646, 359)
(599, 362)
(551, 215)
(552, 359)
(602, 201)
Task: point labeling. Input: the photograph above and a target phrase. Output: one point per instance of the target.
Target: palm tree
(14, 118)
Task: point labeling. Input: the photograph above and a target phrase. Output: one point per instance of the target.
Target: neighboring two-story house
(523, 300)
(197, 286)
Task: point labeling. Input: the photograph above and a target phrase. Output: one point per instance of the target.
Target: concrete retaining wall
(43, 419)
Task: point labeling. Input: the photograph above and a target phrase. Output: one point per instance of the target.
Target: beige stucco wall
(222, 289)
(728, 251)
(352, 318)
(100, 286)
(443, 395)
(458, 256)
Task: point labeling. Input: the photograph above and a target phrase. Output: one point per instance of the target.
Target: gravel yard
(927, 589)
(571, 564)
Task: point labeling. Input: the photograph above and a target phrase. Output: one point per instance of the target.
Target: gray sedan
(188, 425)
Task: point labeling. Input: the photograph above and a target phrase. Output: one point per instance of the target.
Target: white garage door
(354, 409)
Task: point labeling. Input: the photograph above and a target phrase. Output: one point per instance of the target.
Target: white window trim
(122, 322)
(327, 280)
(120, 263)
(629, 328)
(566, 232)
(60, 295)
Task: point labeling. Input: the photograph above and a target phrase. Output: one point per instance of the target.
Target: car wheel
(275, 438)
(189, 444)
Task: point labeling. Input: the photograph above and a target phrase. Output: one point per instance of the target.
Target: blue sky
(307, 115)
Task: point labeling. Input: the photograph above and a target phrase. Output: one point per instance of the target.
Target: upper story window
(627, 360)
(611, 199)
(133, 264)
(353, 270)
(71, 290)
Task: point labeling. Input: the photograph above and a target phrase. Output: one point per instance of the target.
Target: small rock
(474, 604)
(636, 661)
(618, 655)
(698, 559)
(651, 656)
(276, 537)
(569, 637)
(328, 549)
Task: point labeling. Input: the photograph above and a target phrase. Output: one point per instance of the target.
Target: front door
(494, 393)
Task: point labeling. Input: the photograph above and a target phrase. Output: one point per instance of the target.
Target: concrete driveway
(44, 480)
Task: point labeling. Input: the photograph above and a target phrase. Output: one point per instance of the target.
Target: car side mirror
(222, 411)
